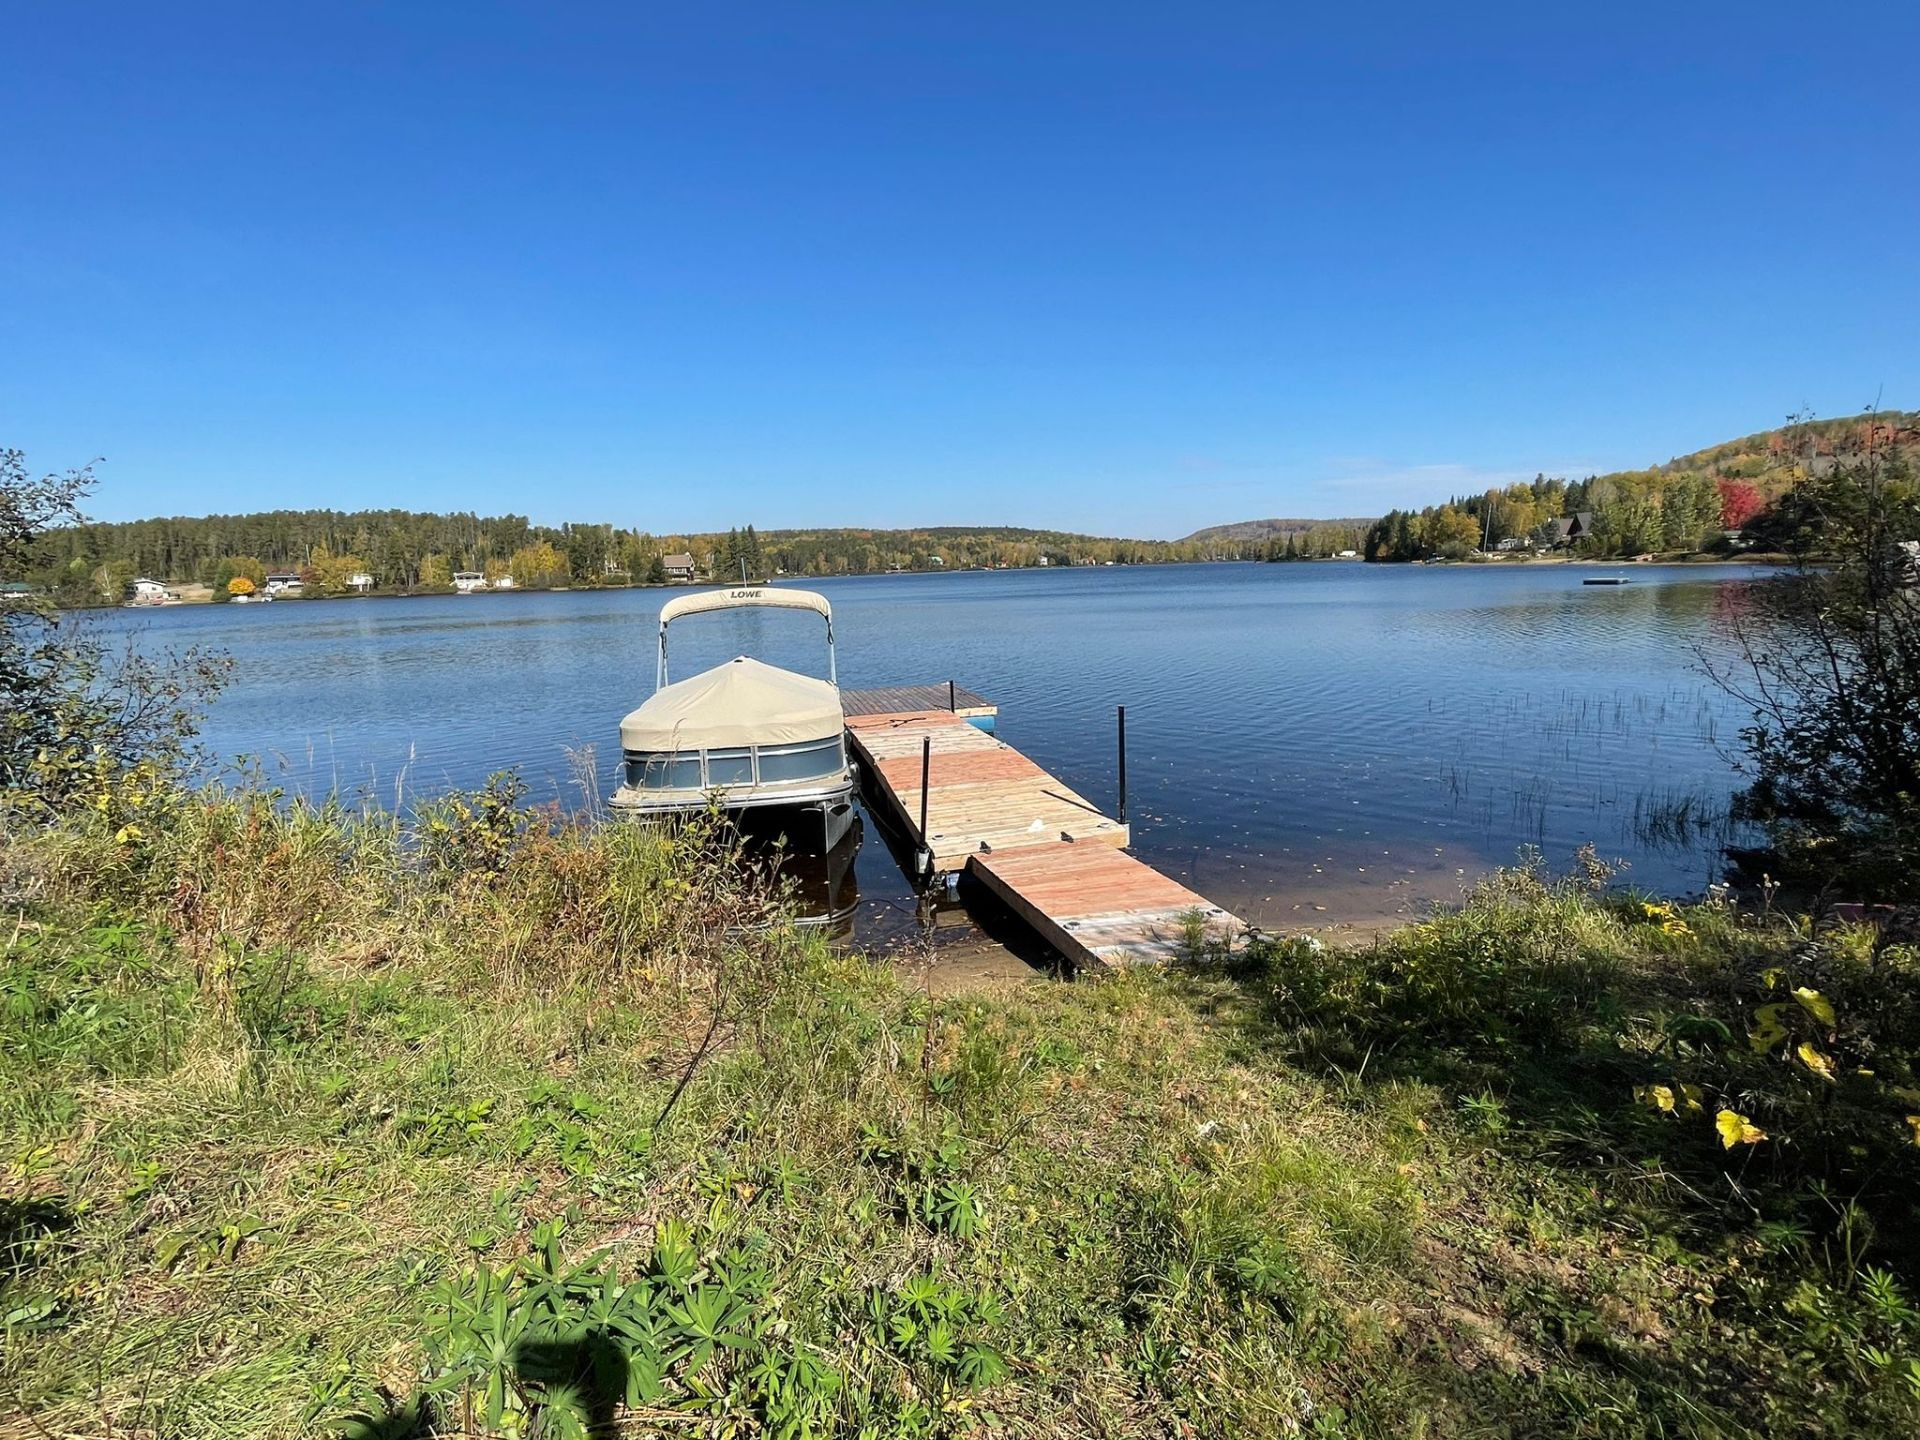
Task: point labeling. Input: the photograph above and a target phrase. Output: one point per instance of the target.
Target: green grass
(489, 1121)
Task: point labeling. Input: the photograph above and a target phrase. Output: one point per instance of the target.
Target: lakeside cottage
(285, 582)
(1569, 528)
(469, 581)
(679, 568)
(149, 592)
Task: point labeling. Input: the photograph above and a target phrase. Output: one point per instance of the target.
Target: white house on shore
(360, 581)
(150, 592)
(285, 582)
(469, 581)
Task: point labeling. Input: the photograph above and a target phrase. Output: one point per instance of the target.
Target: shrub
(79, 719)
(1830, 667)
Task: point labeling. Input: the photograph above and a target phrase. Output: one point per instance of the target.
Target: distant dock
(973, 803)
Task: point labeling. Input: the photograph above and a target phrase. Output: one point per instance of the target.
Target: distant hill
(1768, 457)
(1277, 529)
(1800, 443)
(1720, 499)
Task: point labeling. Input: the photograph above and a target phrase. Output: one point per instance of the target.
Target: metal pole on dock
(1123, 764)
(952, 704)
(926, 778)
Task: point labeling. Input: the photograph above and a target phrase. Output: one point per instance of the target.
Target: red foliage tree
(1739, 503)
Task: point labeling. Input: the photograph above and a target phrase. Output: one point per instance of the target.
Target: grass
(317, 1122)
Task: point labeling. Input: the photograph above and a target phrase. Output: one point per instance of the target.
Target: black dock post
(926, 776)
(953, 705)
(1123, 764)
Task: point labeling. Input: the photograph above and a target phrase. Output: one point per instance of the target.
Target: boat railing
(745, 597)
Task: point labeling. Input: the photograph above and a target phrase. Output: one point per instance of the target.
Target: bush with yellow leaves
(1815, 1054)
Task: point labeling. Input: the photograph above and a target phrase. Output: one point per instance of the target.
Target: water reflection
(823, 886)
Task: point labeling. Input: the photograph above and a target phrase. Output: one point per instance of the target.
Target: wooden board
(1100, 907)
(983, 797)
(904, 699)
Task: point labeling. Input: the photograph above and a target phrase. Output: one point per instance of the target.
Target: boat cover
(744, 702)
(779, 597)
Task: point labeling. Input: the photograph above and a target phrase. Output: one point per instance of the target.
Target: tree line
(330, 550)
(1725, 499)
(1324, 540)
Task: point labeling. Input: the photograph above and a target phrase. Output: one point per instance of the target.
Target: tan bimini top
(744, 702)
(778, 597)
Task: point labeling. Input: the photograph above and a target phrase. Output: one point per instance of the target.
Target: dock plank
(1101, 907)
(898, 699)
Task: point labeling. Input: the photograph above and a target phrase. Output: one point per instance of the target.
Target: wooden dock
(983, 795)
(1047, 852)
(1102, 907)
(905, 699)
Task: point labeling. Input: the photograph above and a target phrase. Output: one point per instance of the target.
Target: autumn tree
(539, 566)
(1739, 503)
(331, 574)
(237, 567)
(1450, 529)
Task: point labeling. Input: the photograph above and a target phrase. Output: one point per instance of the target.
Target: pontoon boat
(750, 736)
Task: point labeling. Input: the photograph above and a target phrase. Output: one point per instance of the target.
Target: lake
(1310, 745)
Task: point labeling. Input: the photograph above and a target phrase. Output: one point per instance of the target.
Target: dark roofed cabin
(1569, 528)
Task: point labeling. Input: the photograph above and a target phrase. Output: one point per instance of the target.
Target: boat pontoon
(754, 738)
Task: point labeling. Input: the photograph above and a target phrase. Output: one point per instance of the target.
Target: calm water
(1308, 744)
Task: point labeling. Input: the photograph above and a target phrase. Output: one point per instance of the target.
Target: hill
(1276, 529)
(1721, 498)
(1801, 443)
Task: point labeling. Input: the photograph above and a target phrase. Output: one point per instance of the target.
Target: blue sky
(1117, 268)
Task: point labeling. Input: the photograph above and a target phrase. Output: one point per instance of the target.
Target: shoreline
(1757, 561)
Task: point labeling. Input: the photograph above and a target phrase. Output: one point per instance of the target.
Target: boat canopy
(744, 702)
(744, 596)
(747, 595)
